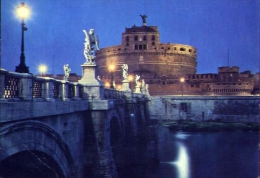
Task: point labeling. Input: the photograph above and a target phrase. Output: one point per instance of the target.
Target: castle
(169, 69)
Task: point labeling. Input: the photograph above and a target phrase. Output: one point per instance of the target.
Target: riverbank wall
(203, 108)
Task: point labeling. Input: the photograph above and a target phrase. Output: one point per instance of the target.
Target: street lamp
(182, 79)
(111, 69)
(22, 12)
(42, 68)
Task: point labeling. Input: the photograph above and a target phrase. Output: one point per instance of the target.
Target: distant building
(163, 65)
(142, 50)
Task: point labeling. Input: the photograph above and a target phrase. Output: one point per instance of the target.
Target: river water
(202, 155)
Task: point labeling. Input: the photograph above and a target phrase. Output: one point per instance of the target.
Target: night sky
(55, 36)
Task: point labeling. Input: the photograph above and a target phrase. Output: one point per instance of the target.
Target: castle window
(144, 38)
(136, 47)
(153, 43)
(136, 38)
(140, 46)
(182, 49)
(175, 48)
(127, 44)
(127, 38)
(140, 39)
(162, 47)
(190, 50)
(145, 46)
(153, 37)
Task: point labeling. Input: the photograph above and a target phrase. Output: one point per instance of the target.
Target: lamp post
(42, 68)
(111, 69)
(182, 79)
(22, 12)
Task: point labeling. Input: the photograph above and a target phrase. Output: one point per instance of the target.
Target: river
(202, 155)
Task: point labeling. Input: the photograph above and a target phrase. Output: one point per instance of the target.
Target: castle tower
(145, 55)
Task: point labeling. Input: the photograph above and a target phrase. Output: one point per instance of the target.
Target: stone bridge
(54, 128)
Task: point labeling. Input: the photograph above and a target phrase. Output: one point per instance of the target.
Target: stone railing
(27, 87)
(116, 94)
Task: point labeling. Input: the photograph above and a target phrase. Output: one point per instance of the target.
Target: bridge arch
(35, 138)
(37, 164)
(116, 141)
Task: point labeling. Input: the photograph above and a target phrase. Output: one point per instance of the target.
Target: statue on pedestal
(146, 89)
(125, 71)
(144, 19)
(66, 72)
(137, 77)
(91, 41)
(143, 86)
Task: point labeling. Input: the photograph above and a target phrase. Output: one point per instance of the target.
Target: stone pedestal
(125, 85)
(137, 89)
(93, 88)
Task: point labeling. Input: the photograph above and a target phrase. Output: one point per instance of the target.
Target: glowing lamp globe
(42, 68)
(23, 11)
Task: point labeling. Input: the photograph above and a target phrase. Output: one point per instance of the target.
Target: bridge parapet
(117, 94)
(27, 87)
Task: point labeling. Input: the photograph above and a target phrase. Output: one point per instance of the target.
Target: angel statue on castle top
(91, 41)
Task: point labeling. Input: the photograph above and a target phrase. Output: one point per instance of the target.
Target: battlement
(137, 29)
(227, 69)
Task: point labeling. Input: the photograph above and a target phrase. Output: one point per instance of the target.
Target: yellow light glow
(111, 67)
(42, 68)
(130, 78)
(119, 87)
(107, 84)
(23, 11)
(182, 79)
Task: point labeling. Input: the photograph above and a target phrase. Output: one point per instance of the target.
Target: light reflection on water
(182, 162)
(181, 135)
(202, 155)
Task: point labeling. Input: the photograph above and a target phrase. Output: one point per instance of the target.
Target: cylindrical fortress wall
(163, 59)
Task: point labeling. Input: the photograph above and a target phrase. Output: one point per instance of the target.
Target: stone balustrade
(27, 87)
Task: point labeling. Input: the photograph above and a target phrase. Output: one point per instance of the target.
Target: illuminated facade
(163, 65)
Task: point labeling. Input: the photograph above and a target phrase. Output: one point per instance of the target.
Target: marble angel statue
(91, 42)
(66, 72)
(125, 71)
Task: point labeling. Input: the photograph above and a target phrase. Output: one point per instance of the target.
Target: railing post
(25, 86)
(48, 90)
(76, 91)
(3, 73)
(64, 91)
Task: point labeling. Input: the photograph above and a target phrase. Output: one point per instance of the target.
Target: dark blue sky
(55, 30)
